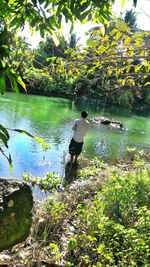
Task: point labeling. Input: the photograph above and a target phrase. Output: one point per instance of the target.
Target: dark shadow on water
(71, 170)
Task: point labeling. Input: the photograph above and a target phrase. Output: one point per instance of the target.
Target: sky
(143, 21)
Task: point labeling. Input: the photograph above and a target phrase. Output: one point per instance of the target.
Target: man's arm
(74, 126)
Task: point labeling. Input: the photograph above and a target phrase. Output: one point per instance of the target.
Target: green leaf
(42, 30)
(42, 142)
(148, 83)
(102, 29)
(54, 247)
(39, 139)
(3, 63)
(51, 59)
(55, 38)
(23, 132)
(15, 79)
(41, 1)
(123, 2)
(3, 129)
(2, 83)
(4, 139)
(10, 163)
(14, 22)
(20, 81)
(13, 83)
(84, 15)
(118, 35)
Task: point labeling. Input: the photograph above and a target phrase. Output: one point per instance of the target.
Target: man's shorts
(75, 148)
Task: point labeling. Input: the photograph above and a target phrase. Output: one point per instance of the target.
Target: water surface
(52, 119)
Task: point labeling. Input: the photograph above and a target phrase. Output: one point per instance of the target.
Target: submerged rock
(16, 204)
(106, 121)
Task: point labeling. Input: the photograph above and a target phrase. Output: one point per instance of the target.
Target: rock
(106, 121)
(5, 260)
(16, 204)
(115, 125)
(41, 226)
(101, 120)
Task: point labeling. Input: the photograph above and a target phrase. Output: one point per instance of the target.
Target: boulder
(106, 121)
(16, 202)
(102, 120)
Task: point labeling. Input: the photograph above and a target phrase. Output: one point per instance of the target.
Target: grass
(100, 219)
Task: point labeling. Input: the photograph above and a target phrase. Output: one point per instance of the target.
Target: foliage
(21, 55)
(48, 14)
(42, 83)
(6, 69)
(5, 136)
(113, 66)
(139, 157)
(45, 15)
(48, 51)
(108, 227)
(130, 19)
(47, 183)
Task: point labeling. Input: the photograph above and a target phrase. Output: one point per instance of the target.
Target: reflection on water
(102, 147)
(52, 119)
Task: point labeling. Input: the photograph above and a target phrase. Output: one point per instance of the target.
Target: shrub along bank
(100, 219)
(40, 82)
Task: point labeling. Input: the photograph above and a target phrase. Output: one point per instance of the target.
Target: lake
(52, 119)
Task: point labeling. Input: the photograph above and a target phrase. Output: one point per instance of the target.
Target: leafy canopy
(43, 15)
(48, 14)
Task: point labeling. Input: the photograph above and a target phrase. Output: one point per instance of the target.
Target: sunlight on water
(52, 119)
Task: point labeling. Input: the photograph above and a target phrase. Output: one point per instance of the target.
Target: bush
(111, 228)
(40, 82)
(114, 229)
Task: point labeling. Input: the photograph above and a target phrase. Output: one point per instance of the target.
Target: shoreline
(55, 220)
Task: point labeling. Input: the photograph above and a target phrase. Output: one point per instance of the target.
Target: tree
(43, 15)
(73, 40)
(113, 65)
(6, 68)
(48, 50)
(130, 19)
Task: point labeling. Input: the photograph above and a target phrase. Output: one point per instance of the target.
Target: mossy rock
(16, 202)
(106, 121)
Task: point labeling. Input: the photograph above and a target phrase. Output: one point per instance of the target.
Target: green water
(51, 119)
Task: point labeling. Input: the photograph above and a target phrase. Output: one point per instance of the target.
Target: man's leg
(76, 158)
(71, 158)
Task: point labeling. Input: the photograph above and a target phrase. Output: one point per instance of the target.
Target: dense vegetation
(113, 66)
(103, 218)
(109, 224)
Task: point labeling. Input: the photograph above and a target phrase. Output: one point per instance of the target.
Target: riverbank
(138, 105)
(100, 219)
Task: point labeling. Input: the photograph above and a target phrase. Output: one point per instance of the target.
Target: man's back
(80, 128)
